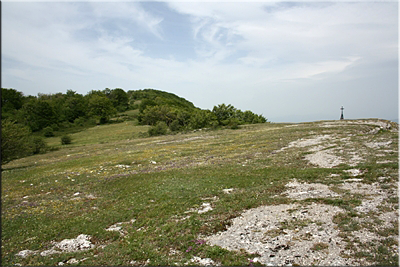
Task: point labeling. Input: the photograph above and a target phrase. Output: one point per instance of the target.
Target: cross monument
(341, 115)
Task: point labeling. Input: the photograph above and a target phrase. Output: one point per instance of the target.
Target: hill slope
(320, 193)
(160, 98)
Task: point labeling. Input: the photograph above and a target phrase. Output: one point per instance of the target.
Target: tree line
(45, 113)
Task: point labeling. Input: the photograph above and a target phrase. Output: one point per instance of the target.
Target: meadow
(152, 191)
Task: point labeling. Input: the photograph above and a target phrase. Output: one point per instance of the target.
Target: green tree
(37, 114)
(153, 114)
(202, 119)
(119, 98)
(224, 113)
(11, 100)
(75, 106)
(160, 128)
(101, 107)
(15, 141)
(146, 103)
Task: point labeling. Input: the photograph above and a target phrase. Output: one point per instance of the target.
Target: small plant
(319, 246)
(274, 232)
(66, 140)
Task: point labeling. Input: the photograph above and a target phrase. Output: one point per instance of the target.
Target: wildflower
(189, 249)
(200, 242)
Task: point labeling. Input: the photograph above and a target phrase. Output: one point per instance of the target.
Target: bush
(79, 121)
(160, 128)
(38, 145)
(48, 131)
(66, 140)
(15, 141)
(234, 124)
(175, 126)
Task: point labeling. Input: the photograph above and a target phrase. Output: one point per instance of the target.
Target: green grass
(156, 180)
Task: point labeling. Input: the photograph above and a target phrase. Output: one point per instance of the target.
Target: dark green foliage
(11, 100)
(160, 128)
(161, 98)
(119, 99)
(224, 113)
(229, 115)
(38, 145)
(153, 114)
(48, 131)
(15, 141)
(101, 107)
(202, 119)
(38, 114)
(175, 126)
(66, 140)
(74, 106)
(233, 123)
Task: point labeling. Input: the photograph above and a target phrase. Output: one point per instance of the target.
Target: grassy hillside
(159, 200)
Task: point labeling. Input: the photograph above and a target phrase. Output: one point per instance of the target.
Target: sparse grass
(319, 246)
(121, 175)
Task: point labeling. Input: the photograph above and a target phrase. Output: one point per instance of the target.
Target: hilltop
(158, 97)
(319, 193)
(49, 115)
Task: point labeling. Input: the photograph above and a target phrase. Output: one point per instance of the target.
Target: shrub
(48, 131)
(160, 128)
(38, 145)
(234, 124)
(175, 126)
(14, 141)
(66, 140)
(79, 121)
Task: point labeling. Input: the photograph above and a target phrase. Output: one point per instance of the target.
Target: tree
(152, 114)
(224, 113)
(74, 106)
(146, 103)
(101, 107)
(202, 119)
(15, 141)
(11, 101)
(119, 98)
(37, 114)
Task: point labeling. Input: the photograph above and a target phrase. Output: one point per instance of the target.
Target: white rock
(228, 190)
(49, 252)
(73, 261)
(206, 207)
(25, 253)
(82, 242)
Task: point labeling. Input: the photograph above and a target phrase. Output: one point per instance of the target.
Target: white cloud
(253, 55)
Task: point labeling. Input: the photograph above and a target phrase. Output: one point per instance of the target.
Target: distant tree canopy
(46, 113)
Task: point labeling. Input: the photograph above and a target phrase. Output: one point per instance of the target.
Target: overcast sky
(290, 61)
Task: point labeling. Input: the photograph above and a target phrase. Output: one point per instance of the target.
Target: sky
(290, 61)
